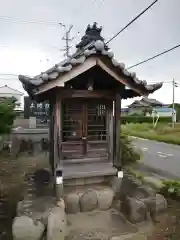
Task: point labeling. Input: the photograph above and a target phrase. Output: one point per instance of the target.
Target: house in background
(8, 92)
(124, 111)
(138, 106)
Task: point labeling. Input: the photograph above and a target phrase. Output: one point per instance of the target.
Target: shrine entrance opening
(85, 129)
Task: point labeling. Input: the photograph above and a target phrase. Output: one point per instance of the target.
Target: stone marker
(24, 228)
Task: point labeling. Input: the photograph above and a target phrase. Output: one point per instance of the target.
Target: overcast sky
(30, 48)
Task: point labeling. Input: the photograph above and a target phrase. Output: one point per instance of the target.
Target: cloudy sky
(31, 37)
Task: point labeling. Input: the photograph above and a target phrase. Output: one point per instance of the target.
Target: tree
(7, 115)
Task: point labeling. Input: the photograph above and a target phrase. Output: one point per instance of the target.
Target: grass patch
(129, 154)
(162, 133)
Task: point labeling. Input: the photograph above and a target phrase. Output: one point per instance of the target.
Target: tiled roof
(151, 101)
(94, 48)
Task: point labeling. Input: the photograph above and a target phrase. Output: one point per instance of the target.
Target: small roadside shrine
(85, 93)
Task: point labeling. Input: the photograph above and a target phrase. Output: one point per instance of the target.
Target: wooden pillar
(117, 110)
(110, 131)
(51, 135)
(55, 134)
(58, 133)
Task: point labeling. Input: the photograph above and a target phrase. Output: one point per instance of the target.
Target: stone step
(88, 197)
(81, 181)
(88, 173)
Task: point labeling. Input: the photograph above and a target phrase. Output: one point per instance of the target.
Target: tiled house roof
(146, 102)
(92, 44)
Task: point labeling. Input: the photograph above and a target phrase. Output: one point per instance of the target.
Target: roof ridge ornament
(92, 33)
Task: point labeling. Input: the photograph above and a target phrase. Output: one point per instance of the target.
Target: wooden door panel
(84, 129)
(97, 131)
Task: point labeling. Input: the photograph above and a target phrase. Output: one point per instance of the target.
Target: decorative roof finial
(92, 33)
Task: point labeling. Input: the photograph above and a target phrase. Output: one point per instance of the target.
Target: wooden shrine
(85, 93)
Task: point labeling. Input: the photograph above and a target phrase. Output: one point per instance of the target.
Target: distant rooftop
(146, 102)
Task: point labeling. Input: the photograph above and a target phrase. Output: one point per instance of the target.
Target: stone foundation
(114, 198)
(89, 198)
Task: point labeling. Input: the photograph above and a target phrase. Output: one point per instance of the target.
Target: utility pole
(67, 39)
(173, 82)
(173, 108)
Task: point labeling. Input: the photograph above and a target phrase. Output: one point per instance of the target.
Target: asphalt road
(160, 158)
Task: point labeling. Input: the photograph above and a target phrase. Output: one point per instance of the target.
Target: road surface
(160, 158)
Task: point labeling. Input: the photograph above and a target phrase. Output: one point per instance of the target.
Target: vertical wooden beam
(117, 111)
(58, 133)
(51, 136)
(110, 131)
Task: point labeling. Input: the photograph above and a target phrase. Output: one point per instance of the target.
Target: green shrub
(143, 119)
(129, 154)
(171, 188)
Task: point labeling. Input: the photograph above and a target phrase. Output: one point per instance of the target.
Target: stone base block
(88, 198)
(25, 228)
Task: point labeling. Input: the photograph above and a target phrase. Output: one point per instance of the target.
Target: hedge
(142, 119)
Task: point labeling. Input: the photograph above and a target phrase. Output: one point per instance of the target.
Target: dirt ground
(168, 225)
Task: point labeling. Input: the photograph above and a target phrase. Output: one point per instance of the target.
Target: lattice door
(84, 129)
(97, 144)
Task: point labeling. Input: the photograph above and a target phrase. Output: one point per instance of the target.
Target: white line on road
(162, 156)
(170, 154)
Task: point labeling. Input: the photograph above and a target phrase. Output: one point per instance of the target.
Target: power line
(161, 81)
(133, 20)
(8, 74)
(159, 54)
(19, 20)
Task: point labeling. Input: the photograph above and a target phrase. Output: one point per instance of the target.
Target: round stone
(110, 54)
(136, 80)
(115, 63)
(126, 73)
(24, 228)
(45, 76)
(134, 209)
(122, 66)
(60, 69)
(105, 198)
(73, 61)
(72, 203)
(144, 82)
(99, 45)
(87, 53)
(88, 201)
(133, 74)
(68, 68)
